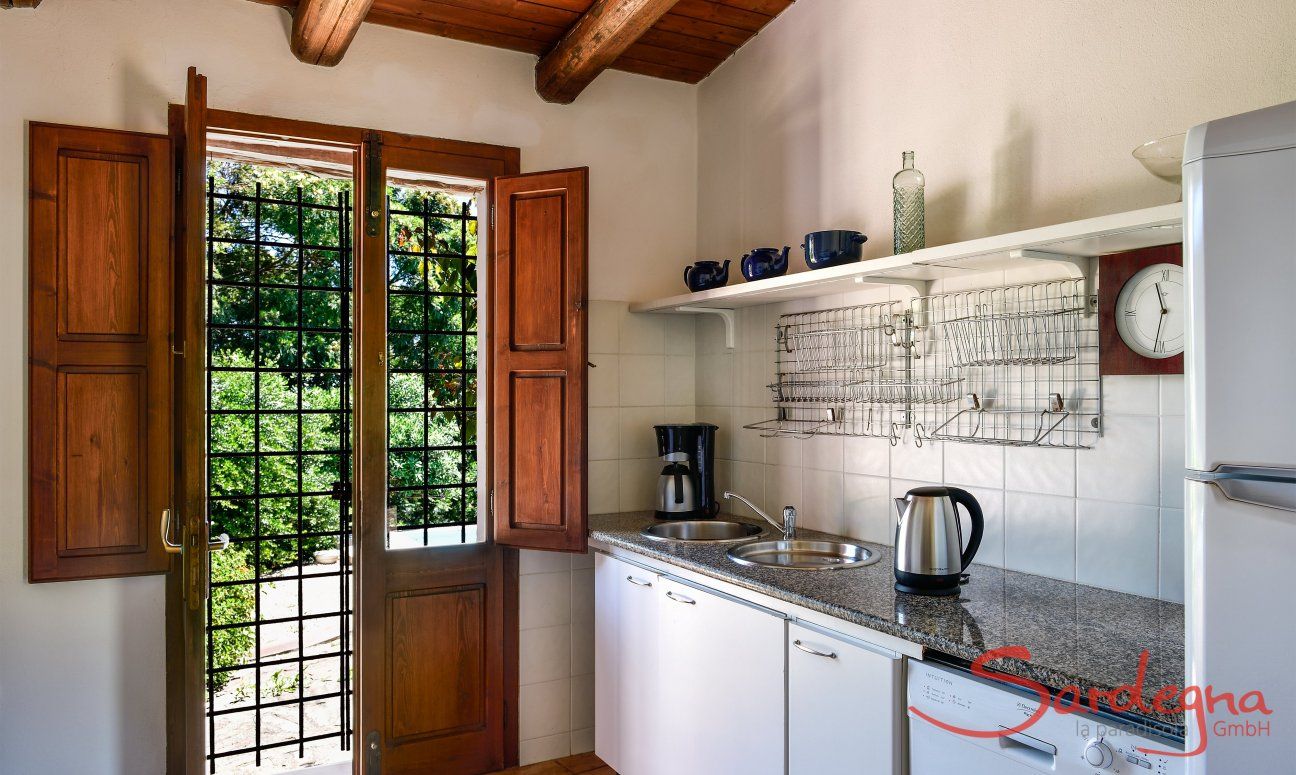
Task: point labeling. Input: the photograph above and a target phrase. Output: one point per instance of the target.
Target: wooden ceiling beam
(593, 43)
(323, 29)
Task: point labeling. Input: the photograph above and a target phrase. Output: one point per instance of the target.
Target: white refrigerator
(1239, 189)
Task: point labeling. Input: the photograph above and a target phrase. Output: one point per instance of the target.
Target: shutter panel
(538, 335)
(99, 367)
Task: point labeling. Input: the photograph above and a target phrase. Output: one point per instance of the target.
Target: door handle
(816, 652)
(169, 546)
(638, 582)
(681, 599)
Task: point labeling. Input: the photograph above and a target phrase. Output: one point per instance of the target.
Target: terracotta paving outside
(580, 764)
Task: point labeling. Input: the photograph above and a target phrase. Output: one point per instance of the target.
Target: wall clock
(1141, 308)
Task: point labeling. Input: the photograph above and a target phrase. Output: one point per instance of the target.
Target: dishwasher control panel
(958, 722)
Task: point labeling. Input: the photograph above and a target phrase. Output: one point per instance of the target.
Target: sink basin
(701, 530)
(803, 555)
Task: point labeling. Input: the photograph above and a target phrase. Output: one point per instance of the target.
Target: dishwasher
(1056, 743)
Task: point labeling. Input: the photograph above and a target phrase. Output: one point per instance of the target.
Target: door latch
(373, 754)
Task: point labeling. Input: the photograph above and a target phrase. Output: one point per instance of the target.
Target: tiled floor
(584, 764)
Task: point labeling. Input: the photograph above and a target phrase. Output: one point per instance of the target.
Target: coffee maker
(686, 487)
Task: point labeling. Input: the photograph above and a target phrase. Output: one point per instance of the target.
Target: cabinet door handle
(816, 652)
(681, 599)
(638, 582)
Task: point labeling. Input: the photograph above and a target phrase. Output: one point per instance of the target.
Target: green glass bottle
(910, 228)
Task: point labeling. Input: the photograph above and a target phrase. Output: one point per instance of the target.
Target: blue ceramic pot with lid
(765, 262)
(705, 275)
(833, 248)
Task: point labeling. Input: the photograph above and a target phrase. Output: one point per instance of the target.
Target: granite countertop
(1077, 635)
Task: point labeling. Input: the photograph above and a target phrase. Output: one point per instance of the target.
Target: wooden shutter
(538, 334)
(99, 367)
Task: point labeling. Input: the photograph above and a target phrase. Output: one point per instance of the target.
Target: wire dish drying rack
(1013, 366)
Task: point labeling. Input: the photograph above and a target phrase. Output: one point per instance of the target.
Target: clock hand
(1161, 298)
(1156, 343)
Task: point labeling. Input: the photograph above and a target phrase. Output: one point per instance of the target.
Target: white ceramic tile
(544, 600)
(604, 380)
(783, 487)
(676, 414)
(1172, 395)
(1116, 546)
(582, 701)
(681, 334)
(727, 430)
(822, 505)
(866, 455)
(974, 465)
(681, 379)
(1123, 465)
(638, 439)
(868, 510)
(823, 453)
(604, 433)
(544, 709)
(715, 379)
(643, 380)
(991, 501)
(582, 648)
(582, 740)
(605, 326)
(585, 560)
(637, 484)
(582, 595)
(753, 377)
(925, 463)
(748, 480)
(534, 561)
(643, 333)
(1041, 470)
(604, 482)
(1172, 462)
(1039, 535)
(544, 654)
(543, 749)
(748, 444)
(1131, 394)
(756, 332)
(710, 334)
(1170, 585)
(784, 450)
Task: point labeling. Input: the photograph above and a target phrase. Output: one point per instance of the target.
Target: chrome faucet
(789, 516)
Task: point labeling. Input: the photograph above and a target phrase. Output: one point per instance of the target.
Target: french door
(418, 505)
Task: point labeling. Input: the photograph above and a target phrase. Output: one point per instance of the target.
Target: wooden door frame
(185, 666)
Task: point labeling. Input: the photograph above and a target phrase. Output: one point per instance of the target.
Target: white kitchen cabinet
(625, 664)
(719, 703)
(844, 706)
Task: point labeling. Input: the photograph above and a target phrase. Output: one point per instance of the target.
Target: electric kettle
(929, 553)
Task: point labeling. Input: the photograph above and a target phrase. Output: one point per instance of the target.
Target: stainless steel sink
(701, 530)
(803, 555)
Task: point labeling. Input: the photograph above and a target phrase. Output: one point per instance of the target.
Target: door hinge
(340, 491)
(375, 188)
(179, 171)
(373, 754)
(492, 224)
(492, 502)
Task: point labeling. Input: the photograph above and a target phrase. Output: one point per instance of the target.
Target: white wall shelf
(1071, 245)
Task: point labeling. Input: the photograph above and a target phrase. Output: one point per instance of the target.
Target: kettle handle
(965, 499)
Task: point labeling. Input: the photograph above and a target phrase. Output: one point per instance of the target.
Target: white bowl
(1163, 158)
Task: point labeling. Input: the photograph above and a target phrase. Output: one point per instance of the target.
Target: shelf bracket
(919, 287)
(726, 314)
(1079, 267)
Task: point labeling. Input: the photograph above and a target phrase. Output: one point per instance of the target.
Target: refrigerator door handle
(1274, 488)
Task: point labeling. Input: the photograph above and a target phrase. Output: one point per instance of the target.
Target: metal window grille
(432, 369)
(279, 376)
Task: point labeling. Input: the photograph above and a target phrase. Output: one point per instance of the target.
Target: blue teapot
(765, 262)
(705, 275)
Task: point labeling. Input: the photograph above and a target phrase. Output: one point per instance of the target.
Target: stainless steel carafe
(929, 553)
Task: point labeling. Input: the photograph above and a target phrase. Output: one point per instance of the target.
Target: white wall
(1022, 113)
(81, 683)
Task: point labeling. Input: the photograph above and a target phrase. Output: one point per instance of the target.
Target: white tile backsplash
(604, 436)
(1039, 534)
(544, 654)
(1170, 585)
(974, 465)
(1124, 465)
(1172, 462)
(1040, 470)
(642, 380)
(1110, 539)
(1124, 394)
(867, 455)
(868, 509)
(822, 505)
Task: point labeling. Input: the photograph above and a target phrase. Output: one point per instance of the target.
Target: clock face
(1150, 311)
